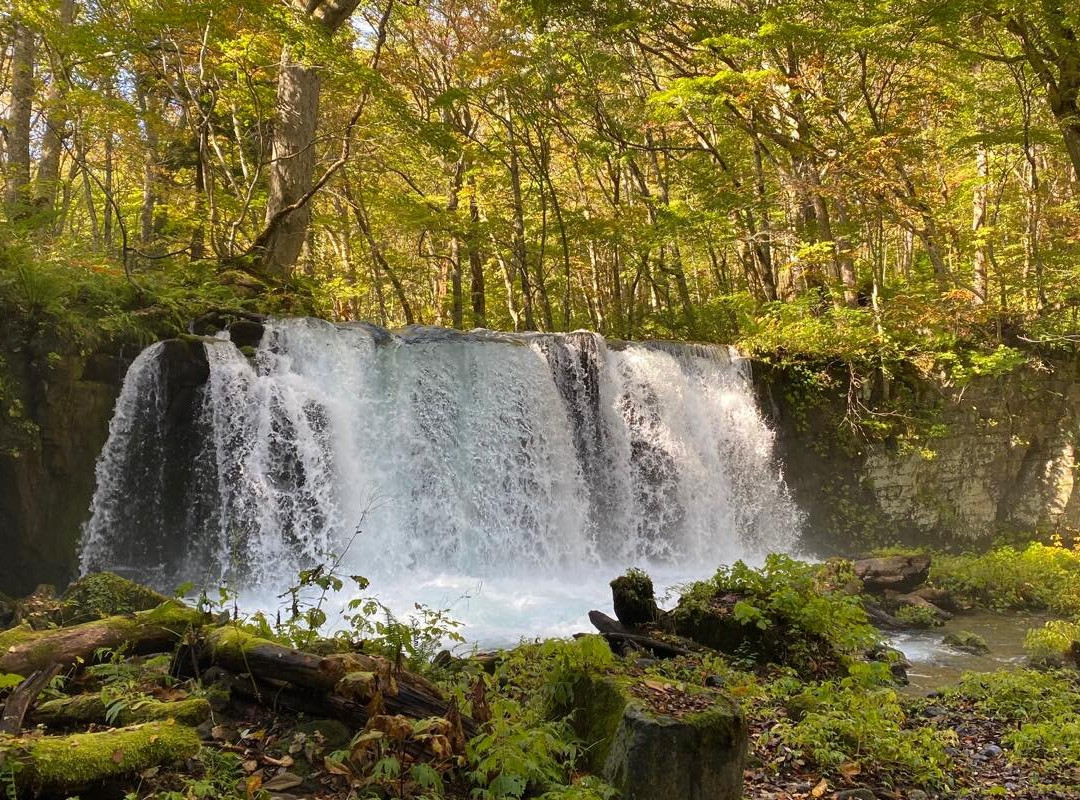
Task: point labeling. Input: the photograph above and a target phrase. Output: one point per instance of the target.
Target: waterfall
(509, 459)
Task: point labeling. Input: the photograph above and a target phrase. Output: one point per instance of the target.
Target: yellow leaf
(820, 789)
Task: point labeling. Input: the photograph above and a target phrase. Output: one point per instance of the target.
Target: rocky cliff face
(56, 417)
(921, 459)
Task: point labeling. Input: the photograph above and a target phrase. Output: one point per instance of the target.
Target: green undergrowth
(1041, 712)
(1038, 577)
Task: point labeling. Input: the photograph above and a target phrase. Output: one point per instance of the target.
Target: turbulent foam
(443, 461)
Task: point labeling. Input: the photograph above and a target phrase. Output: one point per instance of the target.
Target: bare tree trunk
(17, 168)
(521, 253)
(456, 313)
(980, 259)
(148, 110)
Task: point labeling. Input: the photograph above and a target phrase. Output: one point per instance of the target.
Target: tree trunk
(56, 119)
(292, 162)
(22, 650)
(17, 168)
(476, 264)
(64, 765)
(980, 258)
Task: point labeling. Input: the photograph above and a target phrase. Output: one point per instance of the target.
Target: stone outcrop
(994, 455)
(55, 419)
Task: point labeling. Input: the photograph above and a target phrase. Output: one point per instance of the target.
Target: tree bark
(292, 165)
(17, 168)
(56, 120)
(980, 258)
(22, 650)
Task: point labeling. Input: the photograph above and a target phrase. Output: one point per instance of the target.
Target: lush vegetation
(865, 179)
(1041, 577)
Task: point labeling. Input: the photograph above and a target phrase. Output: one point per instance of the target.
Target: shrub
(788, 612)
(1054, 644)
(1039, 577)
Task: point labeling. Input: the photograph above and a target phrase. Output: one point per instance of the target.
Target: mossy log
(353, 676)
(66, 764)
(23, 650)
(84, 709)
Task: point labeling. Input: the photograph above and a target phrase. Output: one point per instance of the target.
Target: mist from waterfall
(522, 470)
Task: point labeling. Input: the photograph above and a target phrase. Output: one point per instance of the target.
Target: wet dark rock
(246, 333)
(855, 794)
(967, 642)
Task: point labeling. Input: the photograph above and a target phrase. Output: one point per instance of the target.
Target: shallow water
(934, 664)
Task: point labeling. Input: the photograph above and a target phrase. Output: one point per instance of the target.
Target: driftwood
(620, 635)
(22, 650)
(342, 685)
(23, 697)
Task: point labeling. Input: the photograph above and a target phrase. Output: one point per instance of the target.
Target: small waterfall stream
(525, 470)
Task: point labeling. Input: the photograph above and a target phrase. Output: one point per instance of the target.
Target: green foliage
(1018, 696)
(796, 603)
(1054, 644)
(1038, 577)
(1041, 708)
(917, 616)
(219, 775)
(857, 721)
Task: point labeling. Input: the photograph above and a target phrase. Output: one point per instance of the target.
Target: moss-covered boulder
(968, 642)
(103, 594)
(658, 740)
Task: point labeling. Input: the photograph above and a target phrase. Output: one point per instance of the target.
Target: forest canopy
(791, 174)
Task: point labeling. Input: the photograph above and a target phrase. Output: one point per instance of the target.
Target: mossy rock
(335, 734)
(651, 755)
(968, 642)
(103, 594)
(715, 625)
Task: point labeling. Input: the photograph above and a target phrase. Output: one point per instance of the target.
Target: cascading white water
(525, 470)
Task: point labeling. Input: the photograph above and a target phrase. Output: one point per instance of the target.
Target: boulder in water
(246, 333)
(657, 740)
(896, 573)
(968, 642)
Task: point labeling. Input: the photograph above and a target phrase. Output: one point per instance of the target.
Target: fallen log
(23, 697)
(84, 709)
(355, 676)
(23, 650)
(617, 633)
(67, 764)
